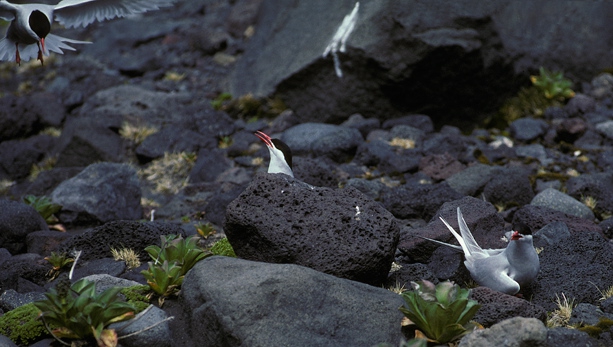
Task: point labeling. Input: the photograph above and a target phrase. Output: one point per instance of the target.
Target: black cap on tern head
(39, 23)
(287, 153)
(522, 228)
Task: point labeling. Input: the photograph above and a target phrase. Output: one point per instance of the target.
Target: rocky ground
(133, 137)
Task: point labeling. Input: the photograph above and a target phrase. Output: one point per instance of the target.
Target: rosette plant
(171, 261)
(441, 313)
(80, 314)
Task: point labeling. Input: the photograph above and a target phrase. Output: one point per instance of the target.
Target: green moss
(138, 296)
(529, 102)
(223, 247)
(22, 326)
(595, 330)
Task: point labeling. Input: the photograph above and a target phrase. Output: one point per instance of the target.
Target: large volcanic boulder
(278, 219)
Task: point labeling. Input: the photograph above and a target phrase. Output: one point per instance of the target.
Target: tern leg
(40, 52)
(17, 57)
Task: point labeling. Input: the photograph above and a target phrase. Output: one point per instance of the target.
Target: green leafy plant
(219, 101)
(57, 261)
(205, 230)
(164, 279)
(441, 313)
(185, 252)
(553, 84)
(78, 312)
(44, 206)
(171, 262)
(223, 247)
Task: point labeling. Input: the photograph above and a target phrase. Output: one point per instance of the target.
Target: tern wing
(492, 272)
(75, 13)
(56, 44)
(458, 237)
(7, 10)
(458, 248)
(472, 245)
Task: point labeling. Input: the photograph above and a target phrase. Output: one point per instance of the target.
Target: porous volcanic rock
(278, 219)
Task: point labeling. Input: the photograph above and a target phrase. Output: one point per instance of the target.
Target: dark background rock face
(281, 220)
(407, 56)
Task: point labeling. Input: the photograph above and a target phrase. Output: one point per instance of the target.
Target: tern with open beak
(280, 155)
(504, 270)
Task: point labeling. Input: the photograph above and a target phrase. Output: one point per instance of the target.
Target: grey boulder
(514, 332)
(102, 192)
(235, 302)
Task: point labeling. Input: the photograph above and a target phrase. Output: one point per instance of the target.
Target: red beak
(516, 236)
(264, 138)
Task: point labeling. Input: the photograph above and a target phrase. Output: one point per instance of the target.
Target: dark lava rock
(536, 217)
(46, 181)
(570, 338)
(414, 200)
(574, 266)
(410, 273)
(447, 263)
(364, 125)
(551, 234)
(457, 146)
(580, 104)
(511, 186)
(21, 117)
(320, 172)
(336, 142)
(496, 307)
(278, 219)
(387, 158)
(471, 180)
(597, 185)
(569, 130)
(209, 165)
(24, 273)
(440, 166)
(371, 188)
(96, 243)
(45, 241)
(419, 121)
(18, 156)
(87, 140)
(528, 129)
(102, 192)
(17, 220)
(586, 314)
(284, 302)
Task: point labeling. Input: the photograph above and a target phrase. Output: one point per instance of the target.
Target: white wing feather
(7, 11)
(75, 13)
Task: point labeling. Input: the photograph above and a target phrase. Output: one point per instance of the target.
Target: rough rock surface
(573, 266)
(102, 192)
(17, 220)
(278, 219)
(515, 332)
(221, 314)
(96, 243)
(496, 307)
